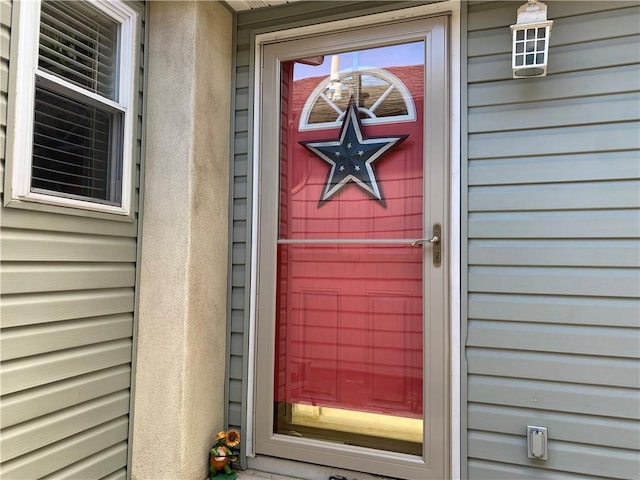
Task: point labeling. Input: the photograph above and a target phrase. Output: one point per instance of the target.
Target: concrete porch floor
(256, 475)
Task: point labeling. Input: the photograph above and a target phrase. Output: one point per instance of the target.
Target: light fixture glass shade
(530, 41)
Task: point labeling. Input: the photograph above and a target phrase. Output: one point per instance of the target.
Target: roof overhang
(240, 5)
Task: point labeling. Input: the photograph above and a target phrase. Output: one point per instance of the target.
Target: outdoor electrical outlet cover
(537, 442)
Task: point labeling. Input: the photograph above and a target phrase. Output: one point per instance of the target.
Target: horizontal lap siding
(67, 315)
(240, 248)
(554, 246)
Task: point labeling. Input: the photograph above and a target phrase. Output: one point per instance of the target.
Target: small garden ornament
(221, 455)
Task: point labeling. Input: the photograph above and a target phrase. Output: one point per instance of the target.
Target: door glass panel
(349, 310)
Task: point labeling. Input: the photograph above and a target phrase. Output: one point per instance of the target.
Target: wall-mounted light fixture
(531, 40)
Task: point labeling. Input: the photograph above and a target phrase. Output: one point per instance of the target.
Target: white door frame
(453, 244)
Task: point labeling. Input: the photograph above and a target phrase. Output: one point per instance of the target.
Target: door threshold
(265, 467)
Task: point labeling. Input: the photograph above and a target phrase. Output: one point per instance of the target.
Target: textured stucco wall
(179, 382)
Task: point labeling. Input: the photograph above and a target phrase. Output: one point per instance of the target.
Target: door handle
(421, 241)
(436, 241)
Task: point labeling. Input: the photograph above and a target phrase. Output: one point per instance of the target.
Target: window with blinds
(77, 138)
(73, 127)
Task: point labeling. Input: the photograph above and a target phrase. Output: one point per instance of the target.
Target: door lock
(436, 241)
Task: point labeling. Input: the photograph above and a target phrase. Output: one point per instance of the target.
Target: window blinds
(79, 44)
(77, 140)
(72, 146)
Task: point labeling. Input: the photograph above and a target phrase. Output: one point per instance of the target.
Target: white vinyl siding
(554, 246)
(67, 314)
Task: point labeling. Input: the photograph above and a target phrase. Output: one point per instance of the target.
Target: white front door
(352, 336)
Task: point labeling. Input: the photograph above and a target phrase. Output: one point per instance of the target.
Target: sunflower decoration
(222, 455)
(232, 438)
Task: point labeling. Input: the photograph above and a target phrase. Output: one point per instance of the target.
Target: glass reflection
(349, 334)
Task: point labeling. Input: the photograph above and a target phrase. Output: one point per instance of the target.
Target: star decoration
(351, 157)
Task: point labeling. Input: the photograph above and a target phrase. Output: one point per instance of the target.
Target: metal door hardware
(436, 241)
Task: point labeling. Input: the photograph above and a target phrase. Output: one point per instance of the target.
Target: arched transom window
(380, 95)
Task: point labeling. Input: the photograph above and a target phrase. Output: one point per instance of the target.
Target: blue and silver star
(351, 156)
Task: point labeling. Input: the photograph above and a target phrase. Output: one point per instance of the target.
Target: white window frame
(21, 117)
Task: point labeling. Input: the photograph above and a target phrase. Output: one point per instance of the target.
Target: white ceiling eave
(240, 5)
